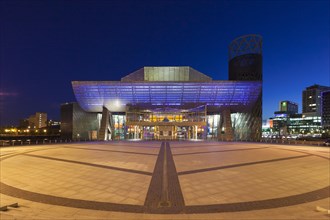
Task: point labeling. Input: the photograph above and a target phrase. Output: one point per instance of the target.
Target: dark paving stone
(174, 189)
(90, 164)
(114, 151)
(308, 153)
(62, 201)
(172, 202)
(175, 197)
(219, 151)
(262, 204)
(239, 165)
(155, 188)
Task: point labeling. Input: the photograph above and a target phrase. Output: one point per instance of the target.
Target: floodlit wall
(245, 64)
(247, 124)
(92, 95)
(167, 73)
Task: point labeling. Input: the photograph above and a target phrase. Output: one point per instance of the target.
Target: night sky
(45, 45)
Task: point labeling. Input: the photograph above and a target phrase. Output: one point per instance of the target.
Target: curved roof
(115, 95)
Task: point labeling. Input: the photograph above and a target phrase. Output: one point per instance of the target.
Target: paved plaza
(165, 180)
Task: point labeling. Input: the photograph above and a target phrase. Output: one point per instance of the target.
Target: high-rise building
(316, 103)
(311, 99)
(288, 107)
(37, 120)
(287, 110)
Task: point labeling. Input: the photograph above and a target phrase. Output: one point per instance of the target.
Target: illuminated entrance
(166, 123)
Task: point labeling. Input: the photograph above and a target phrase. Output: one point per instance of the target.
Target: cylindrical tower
(245, 64)
(245, 58)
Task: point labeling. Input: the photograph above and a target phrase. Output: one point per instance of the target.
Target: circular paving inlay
(168, 177)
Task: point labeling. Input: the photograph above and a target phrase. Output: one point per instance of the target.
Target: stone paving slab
(74, 180)
(201, 161)
(256, 182)
(241, 180)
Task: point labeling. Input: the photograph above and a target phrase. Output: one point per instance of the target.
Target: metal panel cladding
(93, 95)
(245, 58)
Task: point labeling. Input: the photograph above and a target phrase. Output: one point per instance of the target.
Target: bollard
(14, 205)
(3, 208)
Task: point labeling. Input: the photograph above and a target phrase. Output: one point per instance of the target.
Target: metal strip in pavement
(164, 194)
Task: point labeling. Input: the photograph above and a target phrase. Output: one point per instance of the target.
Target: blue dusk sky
(44, 45)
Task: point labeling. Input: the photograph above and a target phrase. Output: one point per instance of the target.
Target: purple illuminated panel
(114, 95)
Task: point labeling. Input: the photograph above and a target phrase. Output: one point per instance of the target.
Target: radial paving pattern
(167, 177)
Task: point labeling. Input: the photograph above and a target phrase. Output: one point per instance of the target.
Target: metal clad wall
(66, 121)
(245, 58)
(115, 95)
(326, 109)
(135, 76)
(246, 67)
(76, 123)
(195, 75)
(84, 122)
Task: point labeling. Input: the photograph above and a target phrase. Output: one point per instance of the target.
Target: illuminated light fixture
(134, 139)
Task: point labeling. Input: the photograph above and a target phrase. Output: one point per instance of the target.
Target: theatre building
(168, 103)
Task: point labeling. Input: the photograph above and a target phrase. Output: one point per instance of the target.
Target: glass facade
(174, 103)
(120, 129)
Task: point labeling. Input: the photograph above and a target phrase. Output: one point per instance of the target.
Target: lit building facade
(168, 103)
(296, 125)
(288, 107)
(37, 120)
(315, 119)
(311, 99)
